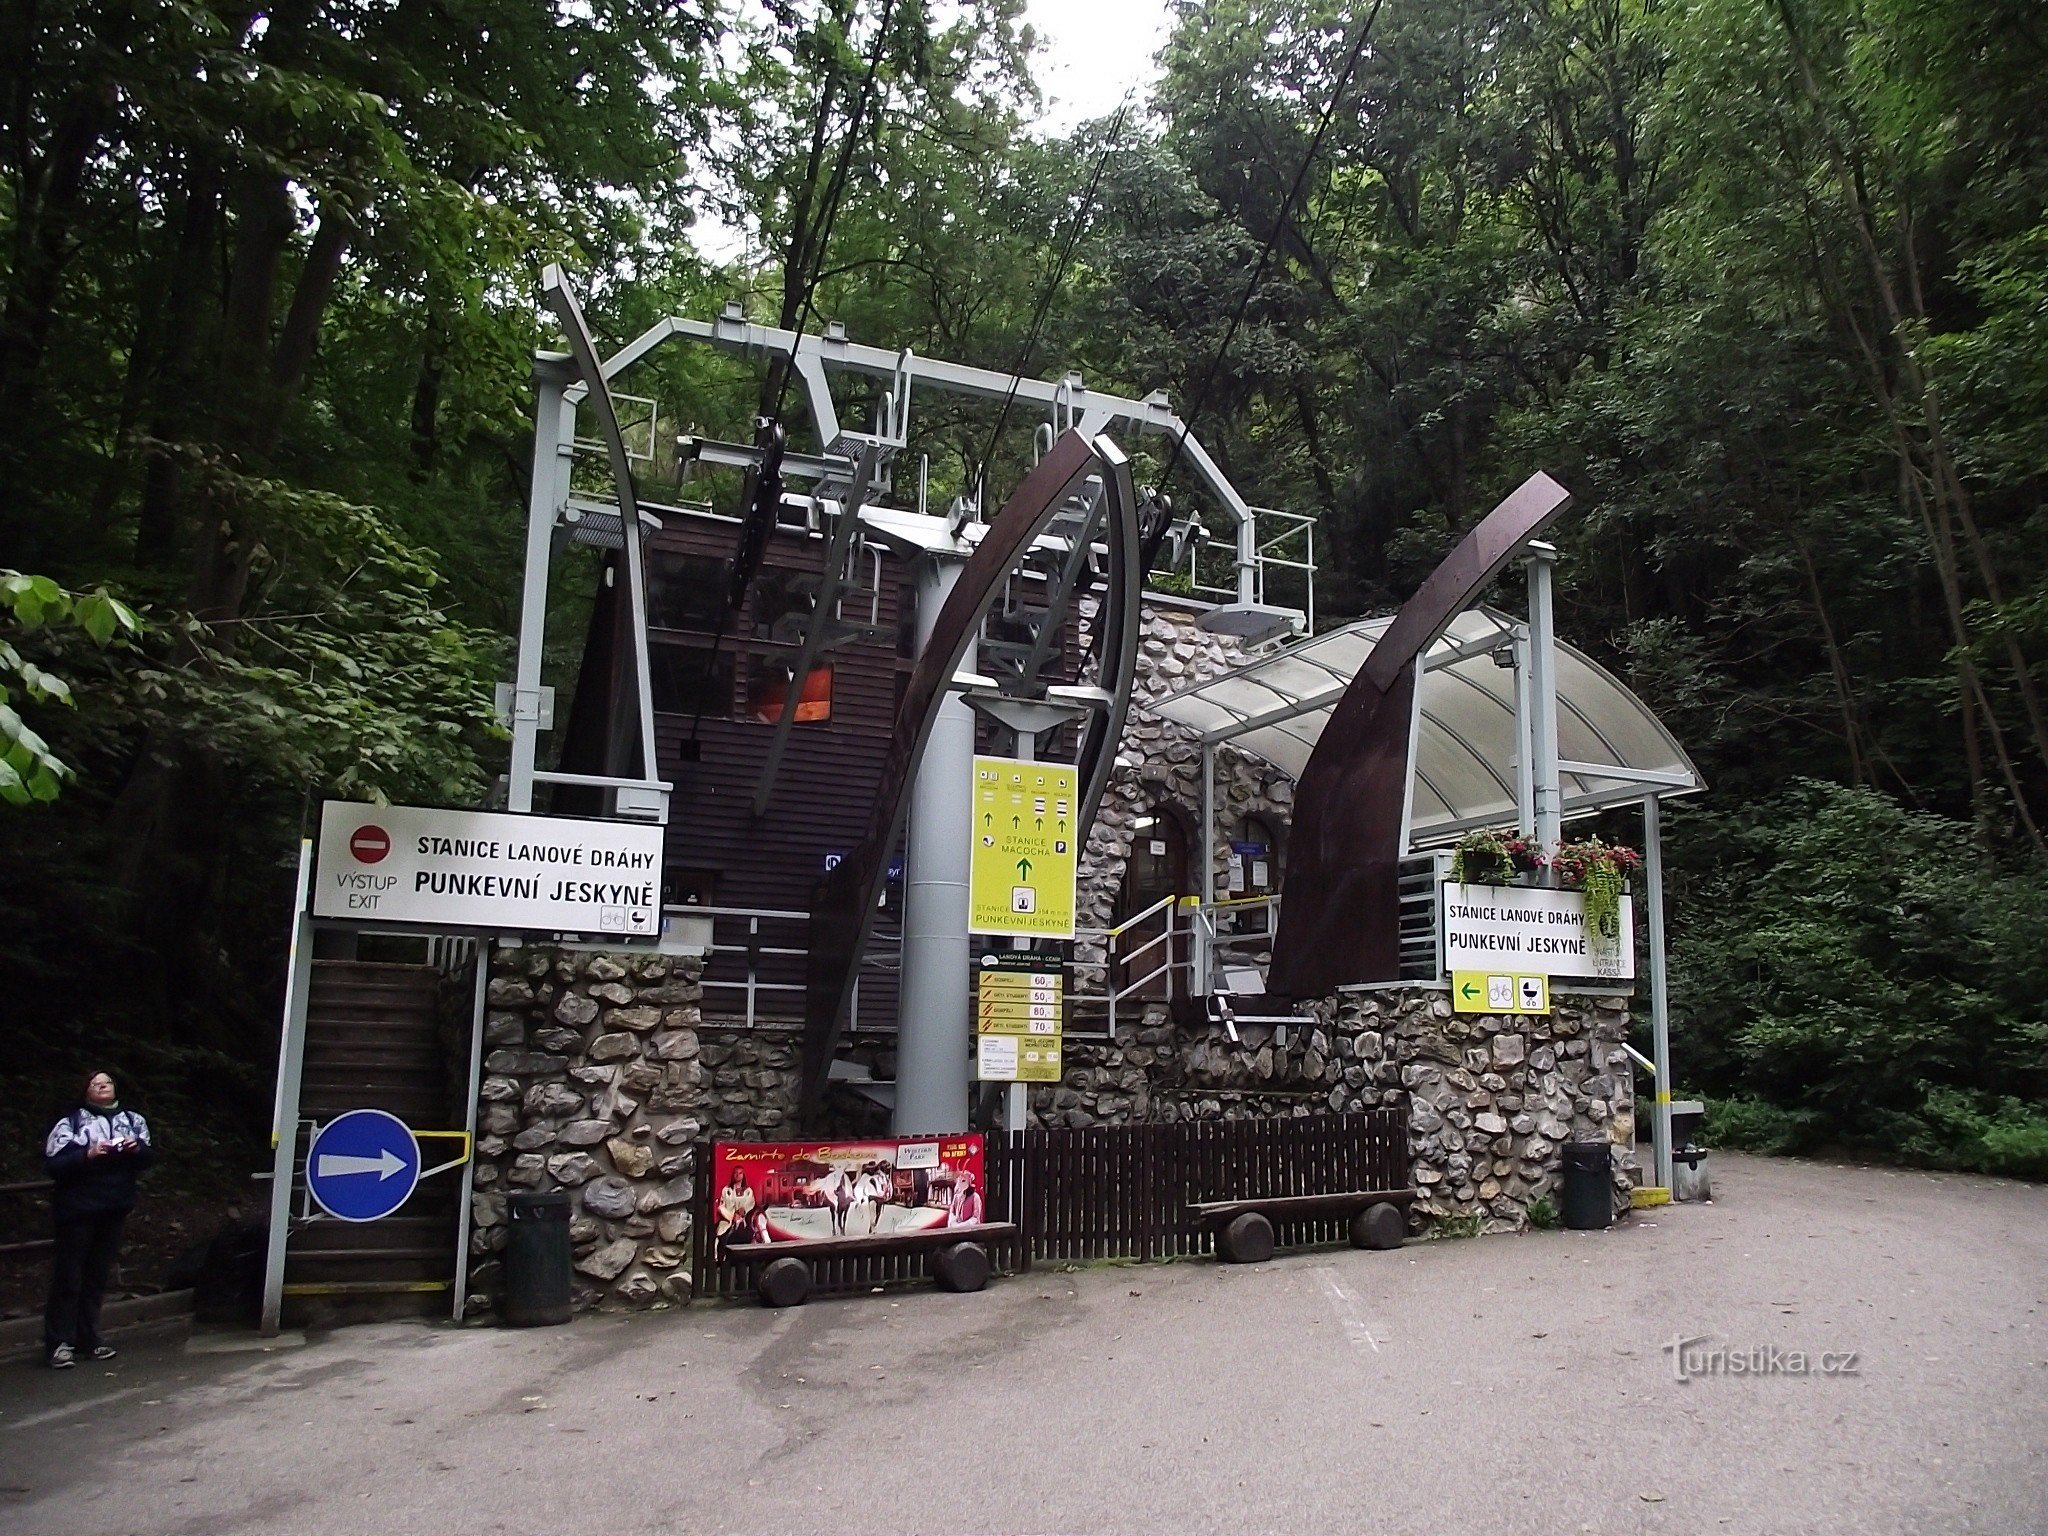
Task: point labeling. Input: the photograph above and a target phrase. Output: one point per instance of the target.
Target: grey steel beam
(562, 298)
(553, 430)
(284, 1122)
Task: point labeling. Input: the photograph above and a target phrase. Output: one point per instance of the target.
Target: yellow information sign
(1021, 876)
(1018, 1015)
(1499, 992)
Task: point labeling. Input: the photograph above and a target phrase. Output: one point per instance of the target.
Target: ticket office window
(1254, 867)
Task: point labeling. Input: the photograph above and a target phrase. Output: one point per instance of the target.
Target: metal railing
(1292, 548)
(1118, 986)
(1421, 875)
(754, 964)
(1299, 530)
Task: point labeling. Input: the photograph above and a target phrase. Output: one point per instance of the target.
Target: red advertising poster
(800, 1191)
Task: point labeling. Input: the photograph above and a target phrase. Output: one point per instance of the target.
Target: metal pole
(1247, 559)
(284, 1124)
(1204, 962)
(476, 1067)
(1543, 696)
(553, 431)
(1660, 983)
(1017, 1097)
(935, 1018)
(1525, 766)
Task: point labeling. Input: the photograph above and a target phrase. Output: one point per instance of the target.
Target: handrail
(1131, 922)
(1640, 1059)
(750, 952)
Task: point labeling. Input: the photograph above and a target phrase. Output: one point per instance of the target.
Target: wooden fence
(1122, 1192)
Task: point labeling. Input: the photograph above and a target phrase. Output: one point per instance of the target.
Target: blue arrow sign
(363, 1165)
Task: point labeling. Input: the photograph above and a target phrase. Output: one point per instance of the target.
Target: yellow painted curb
(1649, 1195)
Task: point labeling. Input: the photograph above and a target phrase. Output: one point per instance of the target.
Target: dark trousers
(78, 1279)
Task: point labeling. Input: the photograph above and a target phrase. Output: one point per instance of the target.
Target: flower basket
(1602, 871)
(1489, 858)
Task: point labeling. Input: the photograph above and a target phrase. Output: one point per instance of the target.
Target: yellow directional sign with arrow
(1021, 877)
(1484, 992)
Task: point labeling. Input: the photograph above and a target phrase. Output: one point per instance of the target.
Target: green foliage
(349, 680)
(1752, 1125)
(1849, 972)
(1760, 280)
(29, 770)
(1456, 1226)
(1544, 1215)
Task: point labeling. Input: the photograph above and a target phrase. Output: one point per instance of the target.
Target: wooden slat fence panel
(1122, 1192)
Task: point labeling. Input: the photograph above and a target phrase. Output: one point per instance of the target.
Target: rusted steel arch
(632, 626)
(1115, 641)
(1340, 897)
(843, 910)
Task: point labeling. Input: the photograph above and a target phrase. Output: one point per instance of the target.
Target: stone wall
(1491, 1099)
(1159, 764)
(599, 1075)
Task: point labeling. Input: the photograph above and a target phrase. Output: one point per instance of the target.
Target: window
(687, 680)
(685, 591)
(768, 680)
(692, 887)
(1254, 859)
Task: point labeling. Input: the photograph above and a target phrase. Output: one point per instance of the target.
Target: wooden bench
(962, 1262)
(1378, 1219)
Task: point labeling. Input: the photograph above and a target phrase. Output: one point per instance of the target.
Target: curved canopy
(1465, 753)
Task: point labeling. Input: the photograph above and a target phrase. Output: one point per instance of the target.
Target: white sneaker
(61, 1358)
(103, 1352)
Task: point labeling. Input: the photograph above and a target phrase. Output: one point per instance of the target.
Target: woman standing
(94, 1154)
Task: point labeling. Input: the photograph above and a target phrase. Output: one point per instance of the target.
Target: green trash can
(1588, 1199)
(537, 1276)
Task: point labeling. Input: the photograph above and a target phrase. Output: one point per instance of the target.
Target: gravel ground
(1516, 1384)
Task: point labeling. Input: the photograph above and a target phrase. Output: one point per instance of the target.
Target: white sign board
(488, 869)
(1532, 930)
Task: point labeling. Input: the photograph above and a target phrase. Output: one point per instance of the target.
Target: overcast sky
(1094, 51)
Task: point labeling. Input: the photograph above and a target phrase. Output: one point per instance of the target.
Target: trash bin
(1588, 1189)
(1689, 1179)
(537, 1277)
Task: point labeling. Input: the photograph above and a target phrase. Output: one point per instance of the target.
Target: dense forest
(1764, 281)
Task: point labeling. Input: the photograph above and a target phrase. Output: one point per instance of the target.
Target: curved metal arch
(562, 299)
(843, 909)
(1340, 913)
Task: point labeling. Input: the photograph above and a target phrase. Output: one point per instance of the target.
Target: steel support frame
(554, 429)
(934, 1012)
(1546, 788)
(284, 1120)
(1660, 983)
(476, 1069)
(815, 357)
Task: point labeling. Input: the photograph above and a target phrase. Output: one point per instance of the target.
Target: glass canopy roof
(1464, 772)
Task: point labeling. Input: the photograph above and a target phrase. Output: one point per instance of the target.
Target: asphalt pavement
(1869, 1354)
